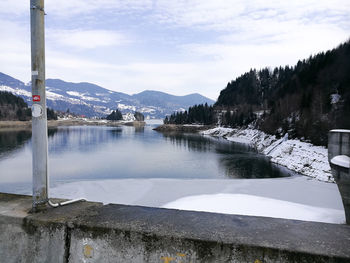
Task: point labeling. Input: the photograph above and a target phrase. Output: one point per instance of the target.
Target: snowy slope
(92, 100)
(302, 157)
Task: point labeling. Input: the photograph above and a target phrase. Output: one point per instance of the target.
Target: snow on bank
(301, 157)
(254, 205)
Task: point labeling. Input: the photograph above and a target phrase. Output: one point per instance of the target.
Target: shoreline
(17, 125)
(301, 157)
(183, 128)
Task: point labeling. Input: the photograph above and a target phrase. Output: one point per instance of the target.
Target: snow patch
(341, 130)
(147, 110)
(254, 205)
(125, 107)
(102, 109)
(335, 98)
(73, 93)
(16, 91)
(301, 157)
(82, 96)
(54, 96)
(341, 160)
(129, 117)
(218, 132)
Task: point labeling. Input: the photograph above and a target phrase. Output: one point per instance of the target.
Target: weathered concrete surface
(91, 232)
(40, 237)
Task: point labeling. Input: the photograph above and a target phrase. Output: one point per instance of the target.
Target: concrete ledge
(91, 232)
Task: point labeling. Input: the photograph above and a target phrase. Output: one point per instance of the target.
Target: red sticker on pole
(36, 97)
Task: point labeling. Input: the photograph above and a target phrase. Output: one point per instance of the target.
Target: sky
(175, 46)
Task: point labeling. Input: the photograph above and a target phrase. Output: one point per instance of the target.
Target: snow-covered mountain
(92, 100)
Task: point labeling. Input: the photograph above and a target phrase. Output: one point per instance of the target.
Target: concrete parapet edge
(92, 232)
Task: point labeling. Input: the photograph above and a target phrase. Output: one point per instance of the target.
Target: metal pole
(39, 118)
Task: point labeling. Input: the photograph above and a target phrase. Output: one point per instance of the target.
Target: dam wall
(93, 232)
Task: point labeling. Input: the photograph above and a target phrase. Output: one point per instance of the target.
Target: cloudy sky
(175, 46)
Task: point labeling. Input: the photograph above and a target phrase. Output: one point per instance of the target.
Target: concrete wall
(91, 232)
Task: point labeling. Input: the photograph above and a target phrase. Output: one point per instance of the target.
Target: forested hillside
(197, 114)
(305, 100)
(15, 108)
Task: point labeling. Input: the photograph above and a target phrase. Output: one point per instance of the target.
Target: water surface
(97, 152)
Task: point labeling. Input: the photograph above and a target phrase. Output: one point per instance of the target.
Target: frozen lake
(140, 166)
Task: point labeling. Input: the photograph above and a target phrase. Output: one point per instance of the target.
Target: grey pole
(39, 118)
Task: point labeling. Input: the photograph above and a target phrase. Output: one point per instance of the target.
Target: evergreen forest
(305, 100)
(116, 115)
(15, 108)
(202, 114)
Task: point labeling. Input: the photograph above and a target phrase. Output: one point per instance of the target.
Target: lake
(100, 152)
(139, 166)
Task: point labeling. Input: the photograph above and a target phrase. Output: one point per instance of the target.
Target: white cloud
(16, 7)
(69, 8)
(89, 40)
(86, 39)
(15, 49)
(205, 14)
(233, 15)
(175, 78)
(236, 54)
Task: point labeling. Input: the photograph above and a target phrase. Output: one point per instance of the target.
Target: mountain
(164, 100)
(305, 101)
(92, 100)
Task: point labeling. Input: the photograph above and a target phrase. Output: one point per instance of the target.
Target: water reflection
(81, 153)
(12, 140)
(81, 138)
(235, 159)
(242, 166)
(190, 142)
(140, 129)
(52, 131)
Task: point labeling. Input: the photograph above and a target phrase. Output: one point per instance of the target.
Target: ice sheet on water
(299, 194)
(254, 205)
